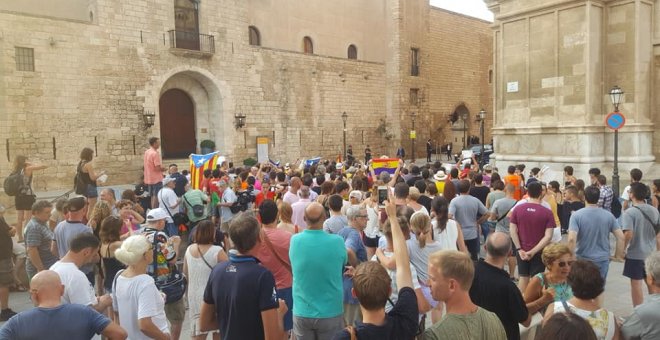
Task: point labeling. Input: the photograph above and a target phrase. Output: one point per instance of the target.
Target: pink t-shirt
(280, 240)
(532, 220)
(152, 167)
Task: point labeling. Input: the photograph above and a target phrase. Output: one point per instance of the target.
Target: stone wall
(93, 81)
(460, 56)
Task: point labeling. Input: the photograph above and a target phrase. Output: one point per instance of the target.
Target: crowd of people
(331, 250)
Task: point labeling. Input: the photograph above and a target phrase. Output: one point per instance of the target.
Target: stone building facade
(555, 62)
(82, 73)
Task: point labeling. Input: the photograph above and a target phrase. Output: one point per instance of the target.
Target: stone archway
(210, 99)
(460, 127)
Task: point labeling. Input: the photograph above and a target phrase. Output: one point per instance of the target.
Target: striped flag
(384, 165)
(199, 163)
(312, 161)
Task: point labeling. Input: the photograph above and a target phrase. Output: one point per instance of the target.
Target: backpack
(79, 185)
(13, 183)
(616, 207)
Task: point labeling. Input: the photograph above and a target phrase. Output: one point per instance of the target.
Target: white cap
(167, 180)
(157, 215)
(355, 193)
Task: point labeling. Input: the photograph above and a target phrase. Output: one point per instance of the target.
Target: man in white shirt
(168, 200)
(299, 207)
(84, 249)
(291, 196)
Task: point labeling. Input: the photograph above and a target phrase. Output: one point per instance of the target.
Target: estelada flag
(199, 163)
(384, 165)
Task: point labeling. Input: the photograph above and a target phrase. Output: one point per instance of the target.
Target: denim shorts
(286, 294)
(91, 191)
(634, 269)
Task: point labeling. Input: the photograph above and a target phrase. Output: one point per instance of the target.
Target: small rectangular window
(25, 59)
(414, 62)
(414, 97)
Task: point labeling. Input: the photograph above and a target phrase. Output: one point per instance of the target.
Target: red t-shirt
(280, 240)
(260, 197)
(532, 220)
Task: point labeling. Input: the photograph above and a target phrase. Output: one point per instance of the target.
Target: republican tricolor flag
(199, 163)
(385, 165)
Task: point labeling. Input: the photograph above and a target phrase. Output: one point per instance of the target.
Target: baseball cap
(167, 180)
(75, 203)
(157, 215)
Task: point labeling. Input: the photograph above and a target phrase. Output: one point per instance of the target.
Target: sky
(475, 8)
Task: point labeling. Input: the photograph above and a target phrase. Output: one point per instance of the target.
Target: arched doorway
(460, 125)
(177, 124)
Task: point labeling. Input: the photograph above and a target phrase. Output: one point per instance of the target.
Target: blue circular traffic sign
(615, 120)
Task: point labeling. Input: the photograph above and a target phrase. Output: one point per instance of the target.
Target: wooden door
(177, 124)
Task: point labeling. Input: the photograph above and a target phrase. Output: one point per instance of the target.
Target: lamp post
(344, 118)
(616, 94)
(413, 135)
(482, 120)
(464, 116)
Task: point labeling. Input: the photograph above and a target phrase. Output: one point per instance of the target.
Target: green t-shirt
(195, 196)
(480, 325)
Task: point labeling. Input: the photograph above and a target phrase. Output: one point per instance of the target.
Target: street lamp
(482, 120)
(616, 94)
(413, 135)
(464, 116)
(344, 117)
(149, 117)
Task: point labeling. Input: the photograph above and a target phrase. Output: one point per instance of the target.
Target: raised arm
(401, 257)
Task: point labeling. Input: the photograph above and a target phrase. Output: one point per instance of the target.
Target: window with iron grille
(414, 97)
(25, 59)
(414, 61)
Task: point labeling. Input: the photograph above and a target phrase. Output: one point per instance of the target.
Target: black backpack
(197, 209)
(616, 207)
(13, 183)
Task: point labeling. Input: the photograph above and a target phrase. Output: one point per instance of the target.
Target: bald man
(53, 320)
(493, 290)
(317, 262)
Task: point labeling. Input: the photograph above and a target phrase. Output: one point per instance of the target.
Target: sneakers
(6, 314)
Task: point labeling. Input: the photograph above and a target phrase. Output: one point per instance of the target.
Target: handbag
(176, 283)
(272, 249)
(178, 218)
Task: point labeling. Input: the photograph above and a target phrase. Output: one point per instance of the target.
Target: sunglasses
(563, 264)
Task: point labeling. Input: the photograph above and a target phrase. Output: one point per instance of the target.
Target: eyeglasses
(563, 264)
(361, 215)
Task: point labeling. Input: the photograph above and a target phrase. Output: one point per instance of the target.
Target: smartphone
(382, 195)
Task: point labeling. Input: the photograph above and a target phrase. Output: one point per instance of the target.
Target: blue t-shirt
(64, 322)
(466, 210)
(317, 261)
(352, 241)
(241, 289)
(593, 226)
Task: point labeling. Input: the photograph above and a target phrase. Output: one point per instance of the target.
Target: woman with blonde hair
(25, 197)
(139, 306)
(420, 249)
(551, 285)
(286, 213)
(97, 214)
(413, 196)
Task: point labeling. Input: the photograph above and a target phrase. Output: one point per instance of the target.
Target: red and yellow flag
(199, 163)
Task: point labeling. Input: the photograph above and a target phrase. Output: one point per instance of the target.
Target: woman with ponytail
(139, 306)
(420, 249)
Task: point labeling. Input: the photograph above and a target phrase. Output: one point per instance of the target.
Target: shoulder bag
(272, 249)
(175, 285)
(656, 226)
(198, 209)
(202, 256)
